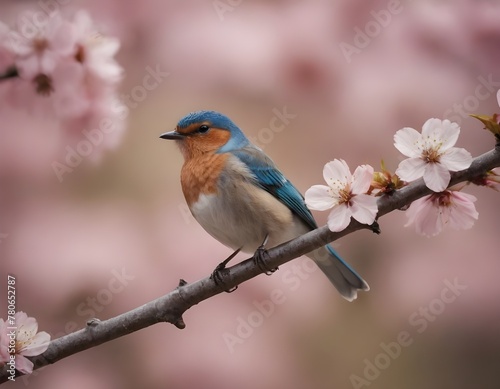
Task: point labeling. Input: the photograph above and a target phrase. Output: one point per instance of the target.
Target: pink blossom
(85, 85)
(346, 193)
(68, 72)
(95, 51)
(40, 53)
(29, 342)
(71, 97)
(431, 153)
(430, 213)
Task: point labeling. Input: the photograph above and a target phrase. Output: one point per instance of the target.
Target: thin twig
(11, 72)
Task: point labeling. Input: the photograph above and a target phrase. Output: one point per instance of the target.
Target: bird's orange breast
(199, 175)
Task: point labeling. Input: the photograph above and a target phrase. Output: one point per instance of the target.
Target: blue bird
(238, 195)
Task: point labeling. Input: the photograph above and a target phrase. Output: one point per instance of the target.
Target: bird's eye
(203, 129)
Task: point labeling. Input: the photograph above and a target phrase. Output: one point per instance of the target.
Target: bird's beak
(172, 135)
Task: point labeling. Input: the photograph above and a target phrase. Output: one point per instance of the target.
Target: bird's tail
(340, 274)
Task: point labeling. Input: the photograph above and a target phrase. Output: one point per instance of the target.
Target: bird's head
(204, 132)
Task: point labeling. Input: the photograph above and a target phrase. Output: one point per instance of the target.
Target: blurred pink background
(66, 241)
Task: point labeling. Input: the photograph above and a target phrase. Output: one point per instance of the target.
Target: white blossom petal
(23, 364)
(463, 213)
(339, 218)
(38, 345)
(448, 134)
(456, 159)
(411, 169)
(364, 208)
(101, 61)
(424, 216)
(361, 179)
(319, 198)
(430, 126)
(406, 141)
(25, 325)
(441, 134)
(64, 38)
(436, 177)
(337, 170)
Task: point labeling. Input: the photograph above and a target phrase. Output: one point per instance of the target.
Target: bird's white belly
(243, 218)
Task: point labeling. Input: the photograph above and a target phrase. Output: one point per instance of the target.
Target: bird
(241, 198)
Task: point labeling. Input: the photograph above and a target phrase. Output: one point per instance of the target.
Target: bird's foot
(217, 274)
(261, 256)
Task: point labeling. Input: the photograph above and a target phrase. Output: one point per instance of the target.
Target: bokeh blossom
(66, 70)
(431, 213)
(41, 52)
(346, 193)
(29, 342)
(431, 153)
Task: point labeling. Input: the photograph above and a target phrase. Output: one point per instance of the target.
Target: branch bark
(170, 308)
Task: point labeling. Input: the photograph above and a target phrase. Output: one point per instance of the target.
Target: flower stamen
(431, 155)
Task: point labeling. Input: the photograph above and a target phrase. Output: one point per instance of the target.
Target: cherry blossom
(95, 51)
(28, 342)
(346, 193)
(431, 153)
(65, 69)
(39, 54)
(431, 213)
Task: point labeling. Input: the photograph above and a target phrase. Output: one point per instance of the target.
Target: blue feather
(273, 181)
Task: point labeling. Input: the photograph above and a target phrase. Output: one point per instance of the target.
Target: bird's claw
(218, 276)
(259, 257)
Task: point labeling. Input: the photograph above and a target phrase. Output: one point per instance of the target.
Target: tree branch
(170, 308)
(11, 72)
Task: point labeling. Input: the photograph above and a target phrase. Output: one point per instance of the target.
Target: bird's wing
(273, 181)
